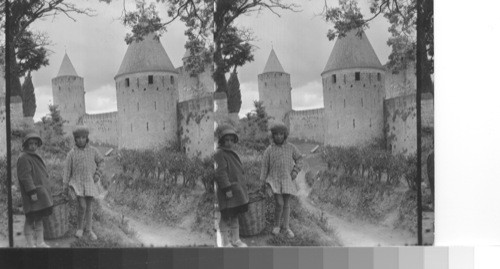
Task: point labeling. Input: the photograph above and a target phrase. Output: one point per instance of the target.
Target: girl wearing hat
(83, 169)
(281, 164)
(34, 185)
(231, 194)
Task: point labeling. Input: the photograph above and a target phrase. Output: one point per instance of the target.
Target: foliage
(402, 15)
(253, 130)
(234, 93)
(212, 34)
(369, 163)
(167, 165)
(28, 49)
(52, 133)
(354, 184)
(166, 203)
(310, 178)
(28, 96)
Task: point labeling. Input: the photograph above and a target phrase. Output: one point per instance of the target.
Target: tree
(233, 93)
(54, 121)
(28, 96)
(28, 49)
(211, 32)
(253, 129)
(404, 30)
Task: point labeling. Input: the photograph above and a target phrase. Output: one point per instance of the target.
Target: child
(34, 185)
(231, 194)
(280, 165)
(84, 165)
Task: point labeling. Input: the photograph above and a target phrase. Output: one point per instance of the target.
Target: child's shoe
(92, 235)
(276, 230)
(289, 233)
(235, 239)
(42, 245)
(79, 234)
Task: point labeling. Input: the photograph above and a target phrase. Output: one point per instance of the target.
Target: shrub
(253, 130)
(310, 177)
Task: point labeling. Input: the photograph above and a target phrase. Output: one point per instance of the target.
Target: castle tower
(353, 92)
(147, 96)
(69, 93)
(275, 89)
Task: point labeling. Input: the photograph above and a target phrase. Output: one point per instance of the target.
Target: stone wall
(191, 87)
(147, 112)
(400, 117)
(196, 126)
(353, 106)
(400, 83)
(275, 93)
(307, 124)
(103, 127)
(69, 95)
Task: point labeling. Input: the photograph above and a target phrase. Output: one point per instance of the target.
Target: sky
(467, 128)
(95, 46)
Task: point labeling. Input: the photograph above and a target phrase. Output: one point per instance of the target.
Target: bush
(253, 130)
(369, 163)
(167, 164)
(310, 177)
(368, 200)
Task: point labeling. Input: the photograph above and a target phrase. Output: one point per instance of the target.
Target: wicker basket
(57, 224)
(253, 221)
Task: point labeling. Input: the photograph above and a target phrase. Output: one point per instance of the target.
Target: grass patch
(310, 229)
(112, 231)
(204, 220)
(166, 203)
(370, 201)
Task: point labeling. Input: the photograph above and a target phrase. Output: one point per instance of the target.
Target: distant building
(361, 101)
(149, 113)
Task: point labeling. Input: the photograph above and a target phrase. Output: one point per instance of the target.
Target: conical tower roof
(352, 51)
(146, 55)
(66, 68)
(273, 64)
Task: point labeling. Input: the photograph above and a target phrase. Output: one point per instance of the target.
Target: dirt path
(152, 234)
(356, 233)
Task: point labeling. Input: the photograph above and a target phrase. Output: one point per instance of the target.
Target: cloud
(101, 100)
(249, 93)
(308, 96)
(43, 95)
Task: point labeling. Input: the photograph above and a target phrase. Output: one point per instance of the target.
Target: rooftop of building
(67, 68)
(352, 51)
(273, 64)
(147, 55)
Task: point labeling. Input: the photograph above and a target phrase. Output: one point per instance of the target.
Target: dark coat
(33, 177)
(229, 175)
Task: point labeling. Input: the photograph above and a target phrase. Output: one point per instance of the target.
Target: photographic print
(340, 80)
(221, 123)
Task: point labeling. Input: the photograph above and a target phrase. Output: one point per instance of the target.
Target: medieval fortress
(362, 101)
(158, 103)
